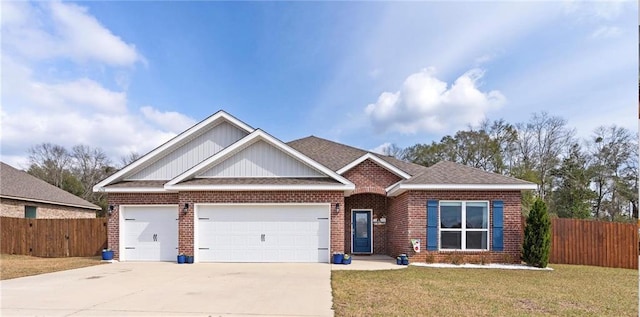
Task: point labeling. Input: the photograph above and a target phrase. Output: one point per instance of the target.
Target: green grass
(569, 290)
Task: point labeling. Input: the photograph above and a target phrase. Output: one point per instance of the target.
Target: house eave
(397, 189)
(50, 202)
(253, 187)
(378, 161)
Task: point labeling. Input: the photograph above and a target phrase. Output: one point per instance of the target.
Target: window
(29, 211)
(464, 225)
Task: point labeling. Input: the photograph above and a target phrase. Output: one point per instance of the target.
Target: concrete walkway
(370, 263)
(169, 289)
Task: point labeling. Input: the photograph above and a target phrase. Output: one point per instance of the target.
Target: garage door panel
(150, 233)
(283, 233)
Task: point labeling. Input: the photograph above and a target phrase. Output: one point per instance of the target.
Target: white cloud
(173, 121)
(426, 103)
(68, 106)
(382, 148)
(62, 30)
(606, 32)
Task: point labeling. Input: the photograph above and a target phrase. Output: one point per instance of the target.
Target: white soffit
(398, 189)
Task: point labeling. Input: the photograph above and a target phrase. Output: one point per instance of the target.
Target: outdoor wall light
(185, 209)
(111, 208)
(337, 207)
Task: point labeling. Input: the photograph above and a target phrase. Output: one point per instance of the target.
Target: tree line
(75, 170)
(595, 177)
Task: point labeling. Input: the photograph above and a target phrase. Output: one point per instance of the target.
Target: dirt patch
(13, 266)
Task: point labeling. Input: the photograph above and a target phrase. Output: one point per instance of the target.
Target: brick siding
(15, 208)
(417, 223)
(186, 221)
(370, 177)
(378, 204)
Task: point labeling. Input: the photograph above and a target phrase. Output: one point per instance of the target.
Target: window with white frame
(464, 225)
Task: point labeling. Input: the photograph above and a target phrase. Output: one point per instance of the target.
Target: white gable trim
(254, 187)
(240, 145)
(378, 161)
(398, 189)
(135, 190)
(220, 115)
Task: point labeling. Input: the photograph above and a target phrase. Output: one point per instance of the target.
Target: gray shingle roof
(445, 172)
(336, 156)
(17, 184)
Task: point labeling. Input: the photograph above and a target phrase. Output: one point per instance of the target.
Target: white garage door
(263, 233)
(149, 233)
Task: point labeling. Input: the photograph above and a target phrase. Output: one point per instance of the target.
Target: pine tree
(537, 236)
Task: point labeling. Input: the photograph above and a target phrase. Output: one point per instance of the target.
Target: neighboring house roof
(336, 156)
(19, 185)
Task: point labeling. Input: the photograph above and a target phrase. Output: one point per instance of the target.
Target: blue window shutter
(432, 225)
(498, 227)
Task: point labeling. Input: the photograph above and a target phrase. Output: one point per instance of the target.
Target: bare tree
(542, 142)
(614, 155)
(129, 158)
(49, 162)
(90, 165)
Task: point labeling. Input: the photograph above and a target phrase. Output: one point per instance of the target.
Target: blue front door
(361, 231)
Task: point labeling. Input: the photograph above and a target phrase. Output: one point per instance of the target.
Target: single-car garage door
(149, 233)
(262, 233)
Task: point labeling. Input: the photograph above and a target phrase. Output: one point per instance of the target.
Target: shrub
(537, 236)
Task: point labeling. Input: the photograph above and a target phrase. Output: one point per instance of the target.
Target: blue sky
(127, 76)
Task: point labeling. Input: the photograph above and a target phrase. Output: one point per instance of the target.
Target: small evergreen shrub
(537, 236)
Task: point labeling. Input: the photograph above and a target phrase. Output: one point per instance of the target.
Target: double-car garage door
(233, 233)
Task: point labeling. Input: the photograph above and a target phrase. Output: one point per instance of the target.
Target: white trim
(398, 189)
(90, 209)
(135, 190)
(263, 204)
(250, 187)
(378, 161)
(463, 242)
(121, 219)
(371, 228)
(240, 145)
(196, 222)
(169, 144)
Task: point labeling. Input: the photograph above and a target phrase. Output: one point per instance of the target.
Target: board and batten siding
(193, 152)
(261, 160)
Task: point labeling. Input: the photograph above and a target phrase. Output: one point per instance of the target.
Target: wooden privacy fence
(597, 243)
(53, 237)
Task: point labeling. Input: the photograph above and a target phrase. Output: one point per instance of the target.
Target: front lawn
(569, 290)
(12, 266)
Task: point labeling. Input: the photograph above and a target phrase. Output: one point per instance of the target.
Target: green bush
(537, 236)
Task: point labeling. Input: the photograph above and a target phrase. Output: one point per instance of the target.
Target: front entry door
(361, 231)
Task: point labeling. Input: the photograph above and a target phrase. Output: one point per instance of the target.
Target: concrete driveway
(168, 289)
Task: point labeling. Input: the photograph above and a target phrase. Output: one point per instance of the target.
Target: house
(226, 192)
(26, 196)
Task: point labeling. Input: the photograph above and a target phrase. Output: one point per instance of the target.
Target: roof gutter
(50, 202)
(397, 189)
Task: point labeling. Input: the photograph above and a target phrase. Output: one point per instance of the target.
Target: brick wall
(397, 224)
(186, 221)
(15, 208)
(416, 228)
(117, 199)
(378, 204)
(370, 177)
